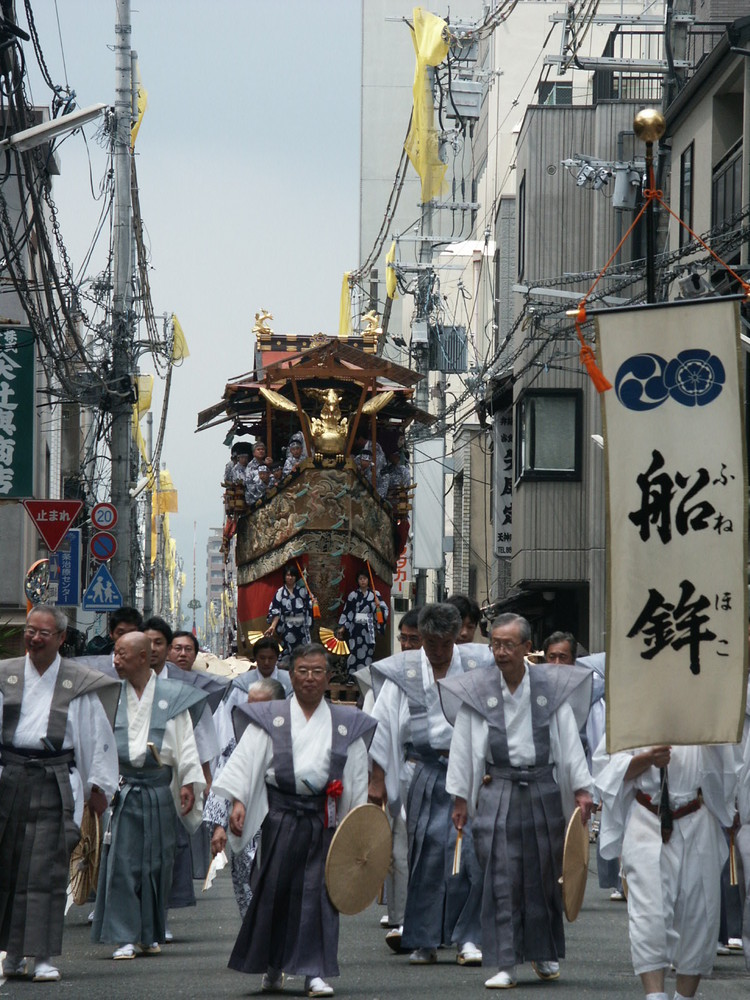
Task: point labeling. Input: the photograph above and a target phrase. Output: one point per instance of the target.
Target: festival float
(327, 517)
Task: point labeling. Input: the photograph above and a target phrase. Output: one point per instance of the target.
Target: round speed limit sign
(104, 516)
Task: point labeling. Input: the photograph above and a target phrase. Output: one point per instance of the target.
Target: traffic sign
(103, 546)
(102, 593)
(52, 518)
(104, 516)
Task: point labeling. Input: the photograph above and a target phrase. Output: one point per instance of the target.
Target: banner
(16, 412)
(676, 524)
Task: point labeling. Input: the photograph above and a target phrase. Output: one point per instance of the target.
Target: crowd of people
(256, 472)
(478, 754)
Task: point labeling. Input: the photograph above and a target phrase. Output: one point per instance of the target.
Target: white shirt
(251, 765)
(178, 749)
(470, 745)
(394, 727)
(87, 732)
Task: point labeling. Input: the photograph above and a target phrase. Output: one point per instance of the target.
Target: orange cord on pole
(601, 383)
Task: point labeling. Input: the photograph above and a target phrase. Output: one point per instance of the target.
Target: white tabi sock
(679, 996)
(657, 996)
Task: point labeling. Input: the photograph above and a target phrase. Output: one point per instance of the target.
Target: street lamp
(37, 134)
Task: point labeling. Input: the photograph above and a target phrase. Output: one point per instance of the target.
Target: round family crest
(278, 721)
(541, 701)
(163, 704)
(343, 730)
(472, 663)
(411, 673)
(492, 702)
(67, 684)
(13, 679)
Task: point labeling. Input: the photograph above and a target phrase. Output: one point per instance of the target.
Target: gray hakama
(192, 851)
(440, 907)
(519, 827)
(290, 923)
(37, 827)
(136, 869)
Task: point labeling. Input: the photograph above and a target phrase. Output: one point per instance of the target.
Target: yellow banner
(390, 275)
(141, 103)
(345, 308)
(179, 344)
(431, 44)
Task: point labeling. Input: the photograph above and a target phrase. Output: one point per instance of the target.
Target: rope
(601, 383)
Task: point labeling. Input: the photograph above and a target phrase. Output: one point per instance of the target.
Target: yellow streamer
(431, 43)
(390, 274)
(345, 309)
(141, 103)
(179, 344)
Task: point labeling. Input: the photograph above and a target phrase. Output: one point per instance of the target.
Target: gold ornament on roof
(372, 327)
(262, 323)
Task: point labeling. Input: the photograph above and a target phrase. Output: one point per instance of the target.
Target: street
(194, 965)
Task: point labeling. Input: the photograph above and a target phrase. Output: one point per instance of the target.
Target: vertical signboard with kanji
(676, 524)
(16, 412)
(502, 431)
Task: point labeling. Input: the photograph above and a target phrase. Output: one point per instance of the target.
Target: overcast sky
(248, 168)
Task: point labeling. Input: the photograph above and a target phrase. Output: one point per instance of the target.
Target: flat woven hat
(84, 861)
(358, 859)
(575, 868)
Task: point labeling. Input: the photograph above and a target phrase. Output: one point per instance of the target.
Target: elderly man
(514, 757)
(298, 762)
(160, 777)
(57, 751)
(409, 759)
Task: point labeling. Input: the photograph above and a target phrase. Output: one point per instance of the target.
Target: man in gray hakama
(515, 754)
(409, 760)
(57, 750)
(299, 766)
(159, 773)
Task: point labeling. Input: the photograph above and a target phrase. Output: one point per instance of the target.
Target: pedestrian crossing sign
(102, 593)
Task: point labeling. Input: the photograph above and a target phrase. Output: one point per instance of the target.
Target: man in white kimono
(663, 812)
(515, 756)
(58, 751)
(299, 767)
(409, 759)
(160, 778)
(266, 655)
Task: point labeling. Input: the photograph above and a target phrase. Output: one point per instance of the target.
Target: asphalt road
(194, 966)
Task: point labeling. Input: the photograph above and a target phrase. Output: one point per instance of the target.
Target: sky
(248, 171)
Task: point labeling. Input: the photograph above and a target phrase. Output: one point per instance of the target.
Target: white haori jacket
(87, 732)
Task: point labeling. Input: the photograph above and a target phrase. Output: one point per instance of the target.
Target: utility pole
(148, 574)
(420, 346)
(122, 366)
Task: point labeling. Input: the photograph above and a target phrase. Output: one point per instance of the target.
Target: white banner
(677, 622)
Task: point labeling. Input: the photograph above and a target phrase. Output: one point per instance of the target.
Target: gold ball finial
(649, 125)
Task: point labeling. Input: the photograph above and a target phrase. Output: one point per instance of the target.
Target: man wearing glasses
(58, 752)
(299, 767)
(515, 760)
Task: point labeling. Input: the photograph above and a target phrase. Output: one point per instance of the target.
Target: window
(686, 193)
(727, 187)
(549, 428)
(521, 227)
